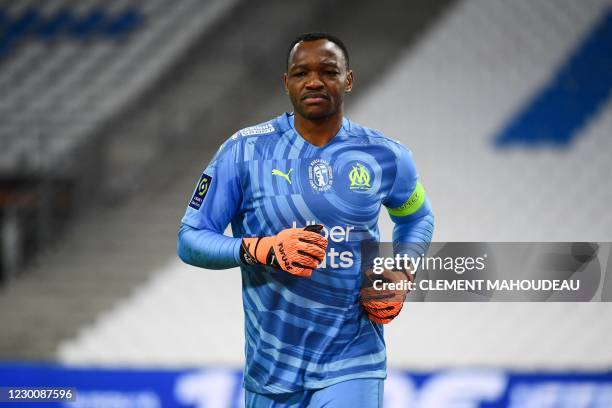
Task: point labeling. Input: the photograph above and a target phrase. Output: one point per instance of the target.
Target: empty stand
(66, 67)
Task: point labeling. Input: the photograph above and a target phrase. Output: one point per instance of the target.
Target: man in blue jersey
(302, 192)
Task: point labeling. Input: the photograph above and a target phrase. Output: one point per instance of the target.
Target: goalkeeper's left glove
(384, 305)
(383, 309)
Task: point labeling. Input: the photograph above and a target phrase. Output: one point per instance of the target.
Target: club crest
(320, 175)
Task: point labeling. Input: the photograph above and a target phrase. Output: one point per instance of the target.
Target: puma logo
(276, 172)
(284, 257)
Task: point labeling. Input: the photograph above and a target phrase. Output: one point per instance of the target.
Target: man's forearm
(413, 238)
(207, 249)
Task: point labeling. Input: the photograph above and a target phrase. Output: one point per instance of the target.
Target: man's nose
(314, 81)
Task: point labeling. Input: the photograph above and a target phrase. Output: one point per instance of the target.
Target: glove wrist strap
(247, 257)
(258, 251)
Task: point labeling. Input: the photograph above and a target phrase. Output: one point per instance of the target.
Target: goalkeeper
(302, 191)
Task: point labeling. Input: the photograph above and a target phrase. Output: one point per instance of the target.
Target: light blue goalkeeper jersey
(305, 333)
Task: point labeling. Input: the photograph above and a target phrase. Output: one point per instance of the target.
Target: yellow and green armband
(412, 204)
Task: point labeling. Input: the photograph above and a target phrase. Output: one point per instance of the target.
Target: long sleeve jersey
(305, 333)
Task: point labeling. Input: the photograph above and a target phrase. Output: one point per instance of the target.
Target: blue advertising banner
(222, 388)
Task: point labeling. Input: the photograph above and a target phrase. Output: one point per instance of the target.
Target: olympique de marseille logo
(320, 175)
(359, 176)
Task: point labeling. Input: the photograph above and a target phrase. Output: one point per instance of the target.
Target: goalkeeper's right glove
(294, 250)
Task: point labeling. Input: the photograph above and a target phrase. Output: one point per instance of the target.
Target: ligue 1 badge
(200, 191)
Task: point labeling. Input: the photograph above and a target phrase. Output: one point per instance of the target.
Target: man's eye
(331, 73)
(299, 74)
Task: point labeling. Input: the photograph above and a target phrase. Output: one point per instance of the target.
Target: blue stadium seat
(13, 32)
(93, 22)
(23, 24)
(62, 20)
(3, 20)
(87, 27)
(123, 24)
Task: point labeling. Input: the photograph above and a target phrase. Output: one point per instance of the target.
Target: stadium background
(110, 110)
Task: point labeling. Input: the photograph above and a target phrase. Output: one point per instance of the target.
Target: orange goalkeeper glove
(384, 305)
(294, 250)
(383, 310)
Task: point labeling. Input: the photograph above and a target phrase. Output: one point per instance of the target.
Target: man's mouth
(313, 99)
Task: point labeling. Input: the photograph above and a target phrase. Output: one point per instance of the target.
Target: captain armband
(412, 205)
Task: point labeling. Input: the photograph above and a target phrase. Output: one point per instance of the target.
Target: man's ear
(285, 84)
(348, 87)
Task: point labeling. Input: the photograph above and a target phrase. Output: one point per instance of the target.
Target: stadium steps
(99, 263)
(103, 258)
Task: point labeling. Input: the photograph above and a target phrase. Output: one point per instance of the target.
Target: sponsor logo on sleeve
(257, 130)
(200, 191)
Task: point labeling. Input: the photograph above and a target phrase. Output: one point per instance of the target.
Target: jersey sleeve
(409, 207)
(216, 199)
(217, 195)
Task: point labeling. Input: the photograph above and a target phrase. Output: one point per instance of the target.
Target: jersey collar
(287, 119)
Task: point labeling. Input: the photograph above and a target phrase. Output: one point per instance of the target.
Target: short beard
(317, 116)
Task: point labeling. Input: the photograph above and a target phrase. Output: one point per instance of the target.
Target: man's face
(317, 79)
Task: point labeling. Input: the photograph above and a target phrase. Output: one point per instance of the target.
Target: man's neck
(318, 132)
